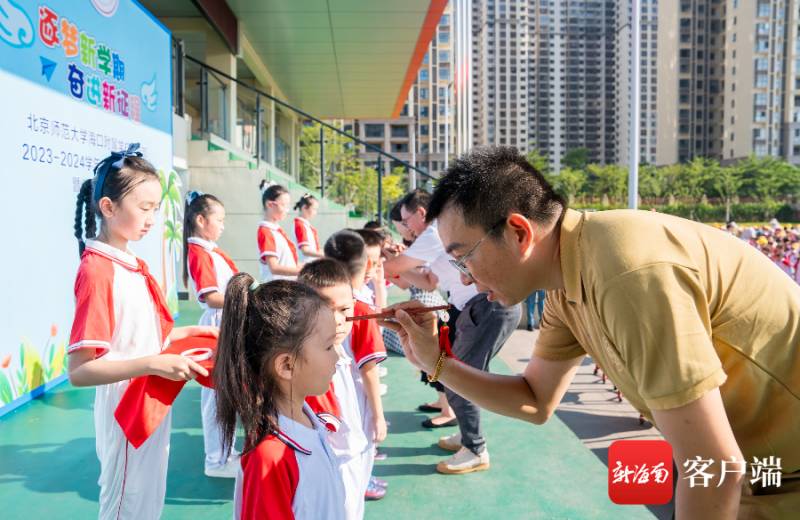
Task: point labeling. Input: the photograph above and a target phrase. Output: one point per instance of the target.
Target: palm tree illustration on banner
(171, 240)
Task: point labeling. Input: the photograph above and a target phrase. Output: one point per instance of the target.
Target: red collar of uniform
(125, 258)
(304, 221)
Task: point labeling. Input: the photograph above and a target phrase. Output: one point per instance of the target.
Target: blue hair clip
(116, 161)
(192, 196)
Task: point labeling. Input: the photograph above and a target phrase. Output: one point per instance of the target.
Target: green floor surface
(48, 466)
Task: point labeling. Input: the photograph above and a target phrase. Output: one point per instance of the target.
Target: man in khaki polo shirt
(699, 330)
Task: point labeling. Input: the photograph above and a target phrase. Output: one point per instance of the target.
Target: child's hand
(175, 367)
(379, 425)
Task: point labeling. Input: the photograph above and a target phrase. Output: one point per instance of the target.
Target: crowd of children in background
(780, 243)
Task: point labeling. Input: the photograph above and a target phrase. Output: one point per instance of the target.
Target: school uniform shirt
(291, 474)
(210, 270)
(365, 339)
(121, 314)
(273, 242)
(428, 247)
(306, 235)
(366, 295)
(340, 410)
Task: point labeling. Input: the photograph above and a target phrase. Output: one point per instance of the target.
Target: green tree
(577, 159)
(726, 181)
(539, 161)
(693, 176)
(568, 183)
(651, 185)
(610, 180)
(340, 155)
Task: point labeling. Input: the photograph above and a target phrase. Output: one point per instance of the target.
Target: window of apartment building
(763, 9)
(372, 130)
(423, 93)
(423, 75)
(399, 131)
(444, 73)
(399, 147)
(762, 79)
(444, 56)
(444, 36)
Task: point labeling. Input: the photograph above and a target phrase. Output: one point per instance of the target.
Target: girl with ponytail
(276, 348)
(209, 269)
(121, 325)
(305, 233)
(277, 254)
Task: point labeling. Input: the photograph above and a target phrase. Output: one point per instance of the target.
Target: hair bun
(265, 185)
(192, 196)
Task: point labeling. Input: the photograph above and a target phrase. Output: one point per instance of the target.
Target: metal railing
(257, 146)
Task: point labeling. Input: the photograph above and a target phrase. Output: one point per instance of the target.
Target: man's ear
(523, 231)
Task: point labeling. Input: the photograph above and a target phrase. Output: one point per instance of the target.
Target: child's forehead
(147, 190)
(342, 292)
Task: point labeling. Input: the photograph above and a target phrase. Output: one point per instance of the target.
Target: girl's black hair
(349, 248)
(270, 191)
(325, 272)
(118, 184)
(258, 325)
(373, 224)
(305, 201)
(201, 204)
(371, 237)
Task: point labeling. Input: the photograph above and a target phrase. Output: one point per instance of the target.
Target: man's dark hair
(490, 182)
(394, 213)
(415, 199)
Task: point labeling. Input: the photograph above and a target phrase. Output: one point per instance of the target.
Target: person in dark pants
(535, 302)
(480, 330)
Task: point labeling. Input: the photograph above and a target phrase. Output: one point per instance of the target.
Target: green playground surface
(48, 466)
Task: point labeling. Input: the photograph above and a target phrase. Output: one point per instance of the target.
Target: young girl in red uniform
(121, 325)
(276, 253)
(306, 234)
(276, 347)
(209, 269)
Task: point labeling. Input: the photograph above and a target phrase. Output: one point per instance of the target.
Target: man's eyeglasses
(461, 263)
